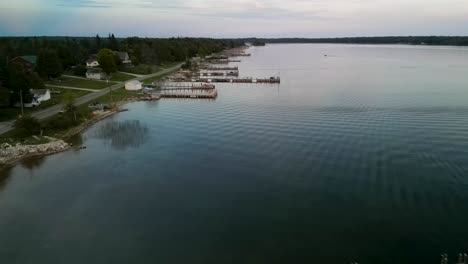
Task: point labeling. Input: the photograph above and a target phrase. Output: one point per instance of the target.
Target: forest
(75, 50)
(411, 40)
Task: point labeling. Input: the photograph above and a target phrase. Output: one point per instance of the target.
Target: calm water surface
(361, 155)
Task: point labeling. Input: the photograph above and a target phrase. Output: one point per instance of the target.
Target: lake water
(361, 155)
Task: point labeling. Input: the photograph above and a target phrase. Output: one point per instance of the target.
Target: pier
(177, 86)
(220, 73)
(222, 61)
(222, 68)
(189, 94)
(238, 80)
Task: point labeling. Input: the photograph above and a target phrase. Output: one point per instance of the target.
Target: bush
(28, 126)
(62, 122)
(79, 70)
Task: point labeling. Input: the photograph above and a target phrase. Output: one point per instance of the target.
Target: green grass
(141, 69)
(169, 65)
(9, 113)
(157, 78)
(121, 77)
(79, 83)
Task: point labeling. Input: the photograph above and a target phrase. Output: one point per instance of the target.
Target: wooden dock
(178, 86)
(220, 73)
(222, 61)
(238, 80)
(190, 95)
(222, 68)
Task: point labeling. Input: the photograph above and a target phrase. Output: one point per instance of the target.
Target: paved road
(72, 88)
(7, 126)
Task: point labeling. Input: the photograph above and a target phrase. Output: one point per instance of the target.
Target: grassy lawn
(157, 78)
(9, 113)
(79, 83)
(144, 69)
(165, 66)
(121, 77)
(140, 69)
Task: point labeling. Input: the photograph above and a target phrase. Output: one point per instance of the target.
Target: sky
(235, 18)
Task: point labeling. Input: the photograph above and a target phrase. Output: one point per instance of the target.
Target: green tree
(98, 41)
(48, 64)
(18, 83)
(69, 105)
(79, 70)
(106, 61)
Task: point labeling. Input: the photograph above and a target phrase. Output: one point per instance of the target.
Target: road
(43, 114)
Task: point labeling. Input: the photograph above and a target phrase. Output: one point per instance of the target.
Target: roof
(133, 82)
(122, 54)
(92, 58)
(94, 71)
(39, 91)
(29, 58)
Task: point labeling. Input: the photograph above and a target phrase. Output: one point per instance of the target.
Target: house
(92, 61)
(123, 56)
(27, 62)
(41, 95)
(96, 74)
(133, 85)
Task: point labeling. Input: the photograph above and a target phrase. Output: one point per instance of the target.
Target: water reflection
(33, 162)
(123, 134)
(5, 174)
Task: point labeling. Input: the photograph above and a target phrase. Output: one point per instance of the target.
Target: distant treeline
(75, 50)
(412, 40)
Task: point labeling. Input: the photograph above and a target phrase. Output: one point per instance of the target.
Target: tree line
(58, 54)
(411, 40)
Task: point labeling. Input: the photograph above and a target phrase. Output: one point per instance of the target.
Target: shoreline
(10, 155)
(24, 151)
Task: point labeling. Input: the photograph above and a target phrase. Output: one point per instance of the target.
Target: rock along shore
(10, 154)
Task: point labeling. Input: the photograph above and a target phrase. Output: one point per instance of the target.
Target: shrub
(79, 70)
(28, 126)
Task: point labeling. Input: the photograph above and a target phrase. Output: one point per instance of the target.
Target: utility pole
(21, 101)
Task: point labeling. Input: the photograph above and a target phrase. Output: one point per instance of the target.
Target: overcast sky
(236, 18)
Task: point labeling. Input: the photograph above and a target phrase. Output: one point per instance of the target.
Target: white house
(133, 85)
(92, 61)
(41, 95)
(96, 74)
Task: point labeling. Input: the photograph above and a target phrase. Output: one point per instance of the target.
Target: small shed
(133, 86)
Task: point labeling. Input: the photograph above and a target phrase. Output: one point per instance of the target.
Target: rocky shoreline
(10, 154)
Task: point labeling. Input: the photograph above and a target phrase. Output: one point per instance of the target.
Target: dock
(219, 73)
(222, 61)
(238, 80)
(189, 94)
(222, 68)
(177, 86)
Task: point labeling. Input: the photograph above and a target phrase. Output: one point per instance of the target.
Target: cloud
(224, 18)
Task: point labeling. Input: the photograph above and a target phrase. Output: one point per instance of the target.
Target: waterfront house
(96, 74)
(41, 95)
(27, 62)
(92, 61)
